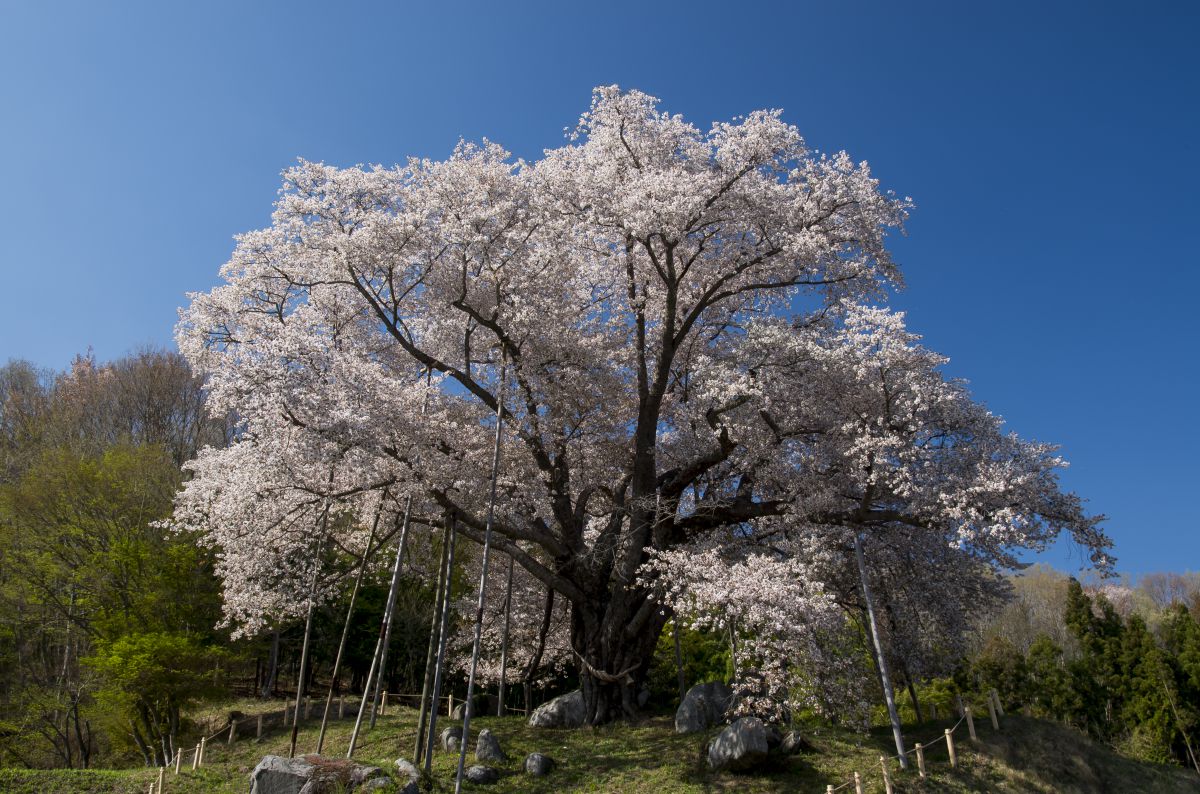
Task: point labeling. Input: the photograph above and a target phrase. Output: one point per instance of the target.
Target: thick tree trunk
(614, 651)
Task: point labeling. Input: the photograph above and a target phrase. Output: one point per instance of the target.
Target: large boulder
(538, 765)
(739, 746)
(487, 747)
(565, 711)
(312, 774)
(703, 706)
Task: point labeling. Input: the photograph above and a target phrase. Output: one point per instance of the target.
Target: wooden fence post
(950, 748)
(992, 714)
(342, 707)
(258, 730)
(196, 758)
(178, 759)
(828, 788)
(971, 724)
(858, 787)
(162, 770)
(232, 731)
(887, 776)
(999, 708)
(920, 759)
(450, 704)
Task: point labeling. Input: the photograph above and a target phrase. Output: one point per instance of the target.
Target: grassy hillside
(1025, 756)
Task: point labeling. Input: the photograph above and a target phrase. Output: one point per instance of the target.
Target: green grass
(1025, 756)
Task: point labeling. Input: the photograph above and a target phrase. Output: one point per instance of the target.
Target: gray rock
(277, 775)
(703, 706)
(482, 775)
(538, 765)
(487, 747)
(565, 711)
(450, 738)
(313, 774)
(407, 769)
(793, 743)
(484, 704)
(739, 746)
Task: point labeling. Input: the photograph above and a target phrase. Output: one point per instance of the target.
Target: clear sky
(1051, 149)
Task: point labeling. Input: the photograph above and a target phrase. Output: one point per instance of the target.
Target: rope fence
(859, 781)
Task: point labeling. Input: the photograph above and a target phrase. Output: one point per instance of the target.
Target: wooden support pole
(950, 748)
(858, 786)
(162, 770)
(992, 714)
(999, 708)
(342, 707)
(383, 704)
(152, 787)
(887, 776)
(920, 759)
(203, 742)
(196, 758)
(828, 788)
(178, 760)
(970, 723)
(449, 704)
(258, 730)
(232, 731)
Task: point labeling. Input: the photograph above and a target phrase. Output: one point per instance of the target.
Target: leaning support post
(232, 731)
(427, 703)
(178, 760)
(439, 663)
(162, 770)
(887, 775)
(920, 759)
(992, 713)
(970, 723)
(203, 743)
(880, 658)
(308, 623)
(196, 758)
(950, 748)
(483, 574)
(504, 639)
(337, 659)
(858, 784)
(999, 707)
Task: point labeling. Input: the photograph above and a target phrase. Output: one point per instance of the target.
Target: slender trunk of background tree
(431, 651)
(880, 659)
(337, 660)
(379, 658)
(443, 630)
(679, 659)
(483, 574)
(268, 683)
(536, 660)
(912, 695)
(504, 639)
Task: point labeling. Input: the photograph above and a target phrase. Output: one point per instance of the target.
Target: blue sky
(1051, 149)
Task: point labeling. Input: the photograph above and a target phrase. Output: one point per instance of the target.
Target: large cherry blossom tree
(662, 304)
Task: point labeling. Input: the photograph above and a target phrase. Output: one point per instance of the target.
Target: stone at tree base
(564, 711)
(793, 743)
(538, 765)
(487, 747)
(482, 775)
(484, 704)
(313, 774)
(703, 706)
(739, 746)
(451, 737)
(409, 775)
